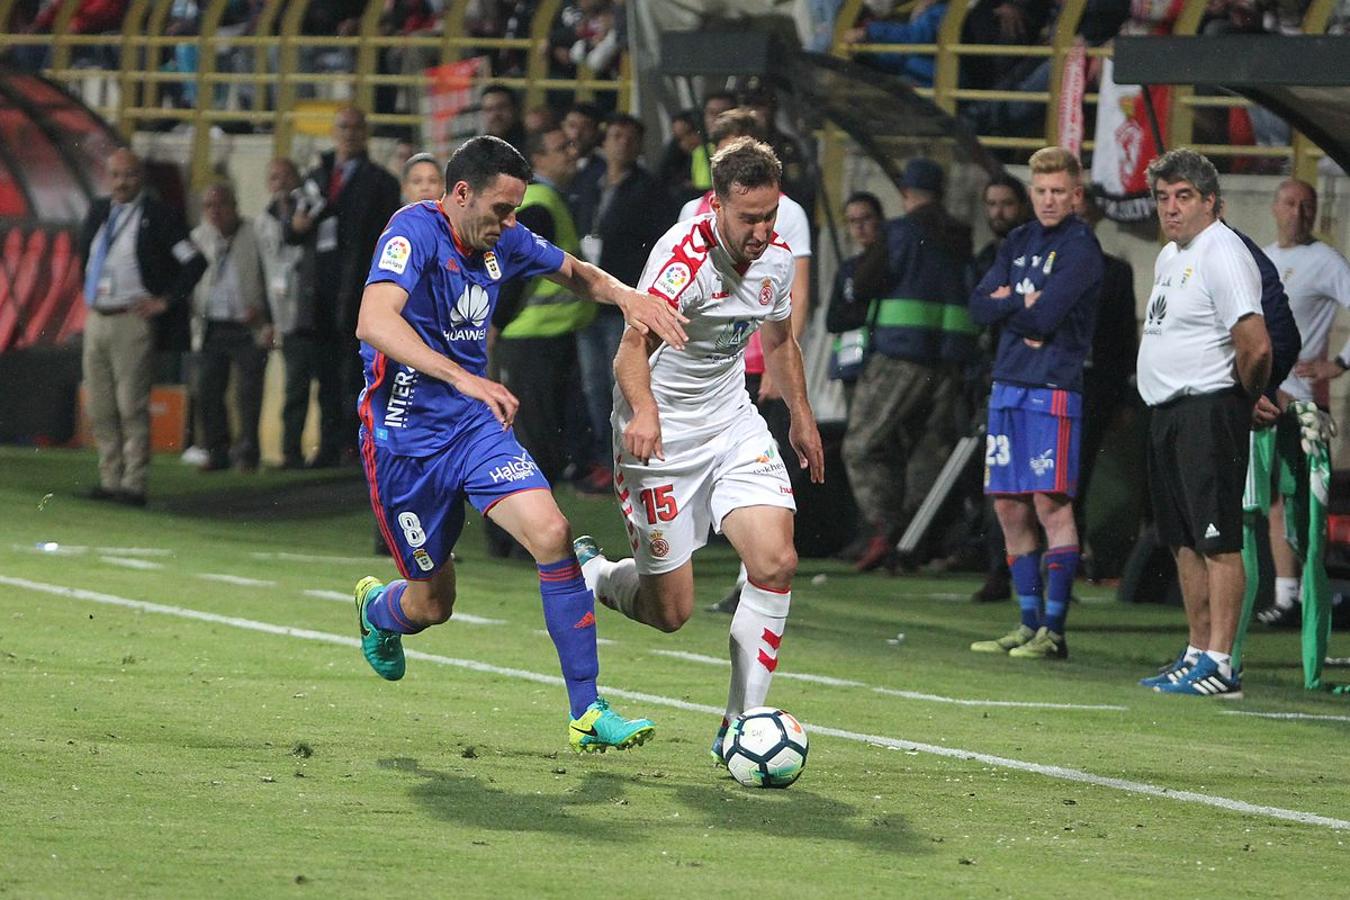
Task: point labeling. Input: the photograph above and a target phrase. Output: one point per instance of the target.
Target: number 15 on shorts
(659, 503)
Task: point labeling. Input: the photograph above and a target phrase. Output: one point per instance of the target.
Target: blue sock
(386, 610)
(1061, 564)
(569, 613)
(1026, 579)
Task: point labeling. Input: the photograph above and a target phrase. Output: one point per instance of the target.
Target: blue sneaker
(1204, 680)
(716, 751)
(382, 649)
(601, 728)
(1170, 673)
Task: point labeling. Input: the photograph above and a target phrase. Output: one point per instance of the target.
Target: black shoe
(728, 603)
(131, 498)
(997, 587)
(100, 493)
(1281, 616)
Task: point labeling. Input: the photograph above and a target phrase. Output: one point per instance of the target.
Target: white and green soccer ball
(765, 747)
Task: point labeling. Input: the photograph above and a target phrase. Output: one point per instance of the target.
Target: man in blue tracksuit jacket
(1042, 291)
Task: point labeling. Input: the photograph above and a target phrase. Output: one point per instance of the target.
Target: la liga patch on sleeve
(672, 279)
(394, 256)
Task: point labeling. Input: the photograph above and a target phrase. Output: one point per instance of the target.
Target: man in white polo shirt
(1317, 279)
(1204, 359)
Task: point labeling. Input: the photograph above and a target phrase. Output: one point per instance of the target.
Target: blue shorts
(419, 500)
(1032, 444)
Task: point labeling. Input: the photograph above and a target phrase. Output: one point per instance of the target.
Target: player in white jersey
(1317, 280)
(691, 449)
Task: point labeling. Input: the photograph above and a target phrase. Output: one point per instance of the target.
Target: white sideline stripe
(1059, 772)
(302, 557)
(329, 595)
(129, 563)
(239, 580)
(134, 551)
(1017, 704)
(602, 642)
(1277, 715)
(59, 549)
(890, 692)
(339, 596)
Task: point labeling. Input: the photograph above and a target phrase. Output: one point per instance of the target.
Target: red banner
(449, 93)
(1071, 91)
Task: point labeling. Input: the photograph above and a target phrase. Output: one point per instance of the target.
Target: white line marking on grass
(59, 549)
(128, 563)
(909, 695)
(238, 580)
(134, 551)
(1057, 772)
(1017, 704)
(1288, 715)
(302, 557)
(329, 595)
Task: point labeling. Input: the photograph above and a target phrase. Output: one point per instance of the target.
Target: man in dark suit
(140, 268)
(344, 206)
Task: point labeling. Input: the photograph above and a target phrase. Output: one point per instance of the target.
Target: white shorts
(669, 505)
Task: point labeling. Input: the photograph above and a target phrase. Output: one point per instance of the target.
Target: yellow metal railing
(947, 93)
(275, 75)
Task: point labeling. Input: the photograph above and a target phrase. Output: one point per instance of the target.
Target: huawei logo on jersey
(1157, 310)
(468, 315)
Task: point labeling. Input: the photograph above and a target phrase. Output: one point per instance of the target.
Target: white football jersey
(1317, 280)
(701, 388)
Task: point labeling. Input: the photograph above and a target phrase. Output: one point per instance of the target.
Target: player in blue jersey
(1042, 293)
(435, 431)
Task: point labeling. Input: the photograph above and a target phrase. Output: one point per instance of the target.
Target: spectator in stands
(139, 270)
(406, 18)
(540, 118)
(589, 34)
(632, 212)
(289, 270)
(231, 331)
(501, 115)
(798, 177)
(89, 17)
(1006, 206)
(922, 28)
(344, 206)
(582, 127)
(846, 317)
(501, 19)
(1011, 22)
(904, 417)
(332, 18)
(422, 179)
(676, 169)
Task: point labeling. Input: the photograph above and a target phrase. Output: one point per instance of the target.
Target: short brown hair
(738, 122)
(1055, 159)
(745, 162)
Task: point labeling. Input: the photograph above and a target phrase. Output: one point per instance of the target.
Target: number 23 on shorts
(659, 503)
(996, 450)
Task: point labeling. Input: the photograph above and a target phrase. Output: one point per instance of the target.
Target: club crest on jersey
(766, 292)
(659, 545)
(490, 260)
(394, 257)
(673, 279)
(423, 560)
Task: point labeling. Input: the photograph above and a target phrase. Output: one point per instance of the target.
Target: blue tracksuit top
(1065, 264)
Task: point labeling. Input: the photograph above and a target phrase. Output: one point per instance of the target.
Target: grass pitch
(228, 739)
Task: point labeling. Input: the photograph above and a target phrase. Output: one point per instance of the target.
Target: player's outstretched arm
(381, 325)
(783, 362)
(643, 312)
(633, 374)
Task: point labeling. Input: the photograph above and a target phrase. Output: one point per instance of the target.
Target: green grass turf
(144, 754)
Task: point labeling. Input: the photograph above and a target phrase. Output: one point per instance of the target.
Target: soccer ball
(765, 747)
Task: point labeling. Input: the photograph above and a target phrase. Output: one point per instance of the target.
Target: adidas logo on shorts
(1211, 531)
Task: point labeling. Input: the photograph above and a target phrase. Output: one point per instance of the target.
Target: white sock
(756, 632)
(1224, 660)
(615, 584)
(1193, 654)
(1286, 592)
